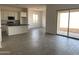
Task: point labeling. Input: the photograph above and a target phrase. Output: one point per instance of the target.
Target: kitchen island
(17, 29)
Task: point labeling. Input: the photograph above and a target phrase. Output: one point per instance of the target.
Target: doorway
(35, 19)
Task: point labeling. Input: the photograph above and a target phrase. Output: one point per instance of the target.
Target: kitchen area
(14, 20)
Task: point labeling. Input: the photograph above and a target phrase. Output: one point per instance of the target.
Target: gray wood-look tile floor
(36, 42)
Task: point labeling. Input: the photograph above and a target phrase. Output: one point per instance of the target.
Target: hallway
(36, 42)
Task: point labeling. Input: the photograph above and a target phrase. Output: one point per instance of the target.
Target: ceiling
(32, 6)
(25, 5)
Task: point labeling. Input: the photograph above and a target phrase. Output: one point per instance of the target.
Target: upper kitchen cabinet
(23, 14)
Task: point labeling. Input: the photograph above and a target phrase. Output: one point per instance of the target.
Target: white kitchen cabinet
(23, 14)
(14, 30)
(5, 14)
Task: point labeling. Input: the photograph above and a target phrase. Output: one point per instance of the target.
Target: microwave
(11, 18)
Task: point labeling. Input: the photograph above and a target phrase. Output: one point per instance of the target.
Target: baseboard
(50, 33)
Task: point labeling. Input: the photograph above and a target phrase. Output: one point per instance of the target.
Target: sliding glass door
(68, 23)
(74, 23)
(62, 26)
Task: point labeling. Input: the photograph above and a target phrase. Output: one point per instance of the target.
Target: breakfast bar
(17, 29)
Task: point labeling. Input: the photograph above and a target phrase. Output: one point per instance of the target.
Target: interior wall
(51, 16)
(44, 19)
(0, 27)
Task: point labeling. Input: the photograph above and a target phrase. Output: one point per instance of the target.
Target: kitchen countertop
(19, 25)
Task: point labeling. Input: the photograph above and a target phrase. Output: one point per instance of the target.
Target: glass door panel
(62, 25)
(74, 23)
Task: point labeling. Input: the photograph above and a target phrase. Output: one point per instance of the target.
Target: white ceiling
(32, 6)
(25, 5)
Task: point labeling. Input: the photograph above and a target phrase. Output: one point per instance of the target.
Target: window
(68, 23)
(35, 18)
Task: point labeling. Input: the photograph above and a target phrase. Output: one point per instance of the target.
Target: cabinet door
(23, 14)
(16, 15)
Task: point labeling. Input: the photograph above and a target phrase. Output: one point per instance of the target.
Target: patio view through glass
(68, 23)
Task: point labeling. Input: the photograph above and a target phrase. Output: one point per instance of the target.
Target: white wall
(44, 18)
(0, 28)
(51, 21)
